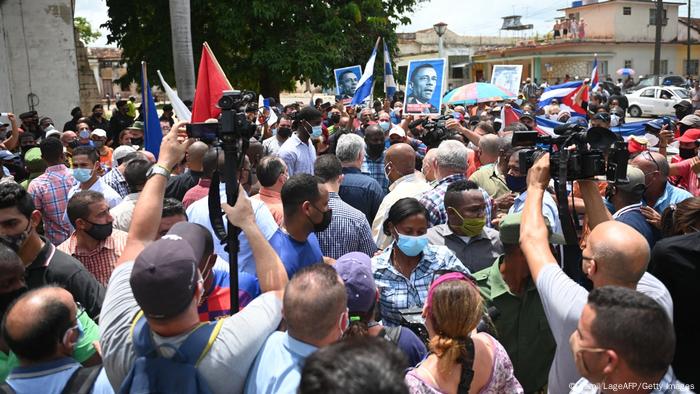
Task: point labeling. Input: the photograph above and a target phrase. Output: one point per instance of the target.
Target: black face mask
(375, 150)
(99, 232)
(686, 153)
(73, 144)
(285, 132)
(335, 118)
(137, 141)
(7, 298)
(325, 222)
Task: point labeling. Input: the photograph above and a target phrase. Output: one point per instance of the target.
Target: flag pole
(144, 97)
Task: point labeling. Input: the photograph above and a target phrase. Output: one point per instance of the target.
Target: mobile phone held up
(207, 132)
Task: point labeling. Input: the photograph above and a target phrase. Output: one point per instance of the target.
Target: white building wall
(39, 57)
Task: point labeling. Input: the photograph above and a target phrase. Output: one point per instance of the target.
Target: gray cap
(636, 180)
(691, 120)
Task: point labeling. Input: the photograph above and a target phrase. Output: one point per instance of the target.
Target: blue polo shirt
(296, 255)
(631, 215)
(51, 377)
(672, 195)
(361, 191)
(277, 367)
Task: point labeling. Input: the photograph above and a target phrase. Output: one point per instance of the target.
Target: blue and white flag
(389, 83)
(364, 86)
(152, 132)
(594, 74)
(181, 110)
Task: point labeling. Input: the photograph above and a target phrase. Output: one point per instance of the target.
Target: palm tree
(183, 62)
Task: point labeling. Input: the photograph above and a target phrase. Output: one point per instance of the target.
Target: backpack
(80, 382)
(152, 373)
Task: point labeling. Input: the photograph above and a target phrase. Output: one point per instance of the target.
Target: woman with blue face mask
(404, 270)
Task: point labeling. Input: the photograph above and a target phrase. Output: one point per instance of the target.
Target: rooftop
(651, 2)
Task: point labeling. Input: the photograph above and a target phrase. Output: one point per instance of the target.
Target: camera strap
(567, 221)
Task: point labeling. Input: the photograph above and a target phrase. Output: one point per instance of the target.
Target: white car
(656, 100)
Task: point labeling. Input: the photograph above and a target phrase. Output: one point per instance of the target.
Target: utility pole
(657, 42)
(687, 62)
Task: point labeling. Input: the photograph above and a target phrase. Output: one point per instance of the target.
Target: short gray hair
(349, 147)
(452, 154)
(490, 144)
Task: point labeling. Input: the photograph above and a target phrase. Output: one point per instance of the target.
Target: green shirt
(83, 351)
(488, 178)
(522, 327)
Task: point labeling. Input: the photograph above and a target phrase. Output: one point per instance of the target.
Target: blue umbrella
(626, 72)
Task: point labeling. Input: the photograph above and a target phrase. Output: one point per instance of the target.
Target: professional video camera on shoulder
(584, 153)
(435, 128)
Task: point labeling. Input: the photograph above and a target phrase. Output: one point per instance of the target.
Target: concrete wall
(39, 57)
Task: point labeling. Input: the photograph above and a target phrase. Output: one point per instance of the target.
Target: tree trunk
(183, 62)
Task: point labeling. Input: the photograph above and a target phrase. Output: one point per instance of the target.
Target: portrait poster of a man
(424, 86)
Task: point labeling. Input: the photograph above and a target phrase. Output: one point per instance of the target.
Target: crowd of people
(378, 253)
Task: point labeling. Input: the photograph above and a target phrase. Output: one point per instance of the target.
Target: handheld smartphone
(203, 131)
(667, 121)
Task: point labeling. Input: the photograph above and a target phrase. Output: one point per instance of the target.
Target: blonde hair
(455, 312)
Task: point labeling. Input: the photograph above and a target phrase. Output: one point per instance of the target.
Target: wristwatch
(158, 169)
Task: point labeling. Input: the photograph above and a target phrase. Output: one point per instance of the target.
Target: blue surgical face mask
(517, 184)
(82, 175)
(316, 131)
(411, 245)
(384, 125)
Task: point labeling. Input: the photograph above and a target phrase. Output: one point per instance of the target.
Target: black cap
(683, 103)
(527, 114)
(604, 116)
(199, 238)
(167, 107)
(164, 277)
(75, 111)
(28, 114)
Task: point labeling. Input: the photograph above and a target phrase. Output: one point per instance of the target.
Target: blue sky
(460, 16)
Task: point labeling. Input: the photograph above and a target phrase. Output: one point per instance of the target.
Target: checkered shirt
(375, 169)
(100, 262)
(348, 231)
(434, 201)
(397, 292)
(116, 181)
(50, 194)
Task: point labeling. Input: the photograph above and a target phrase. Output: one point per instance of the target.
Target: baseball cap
(398, 131)
(164, 277)
(685, 104)
(99, 133)
(690, 135)
(604, 116)
(527, 114)
(122, 151)
(509, 230)
(356, 271)
(196, 235)
(691, 120)
(138, 125)
(29, 114)
(637, 144)
(635, 176)
(52, 132)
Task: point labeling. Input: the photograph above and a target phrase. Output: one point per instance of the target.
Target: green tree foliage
(85, 32)
(262, 45)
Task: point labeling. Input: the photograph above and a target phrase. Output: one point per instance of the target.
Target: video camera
(587, 160)
(232, 134)
(435, 130)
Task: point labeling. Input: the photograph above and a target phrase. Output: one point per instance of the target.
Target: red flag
(211, 82)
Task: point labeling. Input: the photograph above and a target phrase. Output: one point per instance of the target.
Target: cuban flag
(389, 83)
(594, 74)
(364, 86)
(565, 94)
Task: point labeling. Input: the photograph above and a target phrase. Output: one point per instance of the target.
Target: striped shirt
(100, 261)
(397, 292)
(375, 169)
(348, 231)
(49, 192)
(115, 179)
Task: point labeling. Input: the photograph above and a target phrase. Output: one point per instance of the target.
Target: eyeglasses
(651, 157)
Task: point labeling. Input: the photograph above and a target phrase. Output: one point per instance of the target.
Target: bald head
(651, 161)
(33, 339)
(429, 165)
(401, 158)
(195, 154)
(620, 252)
(148, 156)
(254, 152)
(372, 130)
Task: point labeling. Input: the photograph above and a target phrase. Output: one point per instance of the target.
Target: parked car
(655, 100)
(664, 80)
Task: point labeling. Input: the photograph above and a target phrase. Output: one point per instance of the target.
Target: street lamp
(440, 29)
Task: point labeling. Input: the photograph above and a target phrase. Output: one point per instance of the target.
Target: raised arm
(534, 235)
(149, 207)
(595, 208)
(12, 141)
(272, 275)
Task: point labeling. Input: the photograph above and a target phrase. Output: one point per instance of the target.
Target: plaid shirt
(100, 261)
(667, 385)
(50, 194)
(398, 292)
(348, 231)
(375, 169)
(116, 181)
(434, 201)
